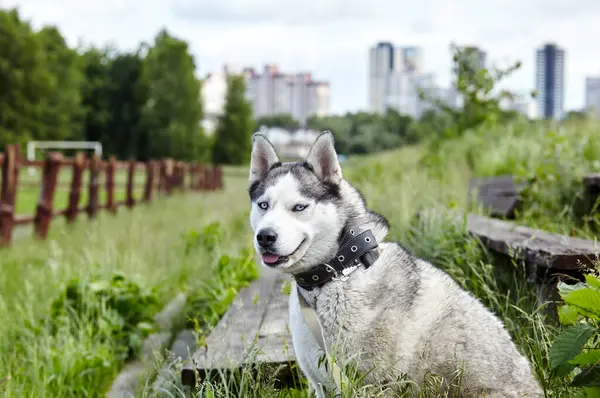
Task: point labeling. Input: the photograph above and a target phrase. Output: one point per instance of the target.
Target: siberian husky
(404, 317)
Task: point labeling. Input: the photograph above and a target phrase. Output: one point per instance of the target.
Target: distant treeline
(142, 104)
(148, 104)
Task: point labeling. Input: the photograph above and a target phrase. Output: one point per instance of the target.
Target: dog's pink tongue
(269, 258)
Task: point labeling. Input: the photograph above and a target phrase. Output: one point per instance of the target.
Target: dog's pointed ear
(262, 159)
(323, 158)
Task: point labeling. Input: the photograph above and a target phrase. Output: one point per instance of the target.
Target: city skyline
(333, 41)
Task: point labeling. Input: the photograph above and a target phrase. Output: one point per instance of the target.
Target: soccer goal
(32, 146)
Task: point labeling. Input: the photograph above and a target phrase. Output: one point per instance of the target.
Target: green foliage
(40, 80)
(61, 111)
(127, 96)
(233, 136)
(118, 305)
(363, 132)
(477, 87)
(284, 120)
(139, 104)
(228, 275)
(575, 352)
(173, 111)
(208, 238)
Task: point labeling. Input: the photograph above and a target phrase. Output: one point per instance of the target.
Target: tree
(95, 97)
(476, 85)
(25, 82)
(128, 95)
(283, 120)
(60, 110)
(173, 112)
(233, 136)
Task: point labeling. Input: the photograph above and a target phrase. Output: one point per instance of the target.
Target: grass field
(152, 245)
(155, 245)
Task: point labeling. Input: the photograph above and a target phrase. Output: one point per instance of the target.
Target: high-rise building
(396, 78)
(382, 61)
(592, 94)
(274, 92)
(550, 72)
(392, 71)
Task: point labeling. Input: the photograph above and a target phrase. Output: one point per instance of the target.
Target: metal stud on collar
(353, 249)
(315, 277)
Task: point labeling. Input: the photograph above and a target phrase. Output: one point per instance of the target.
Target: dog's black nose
(266, 237)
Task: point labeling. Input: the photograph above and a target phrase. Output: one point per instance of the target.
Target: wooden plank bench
(548, 257)
(253, 330)
(536, 247)
(499, 195)
(592, 191)
(592, 180)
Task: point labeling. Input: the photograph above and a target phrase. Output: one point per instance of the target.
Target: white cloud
(331, 38)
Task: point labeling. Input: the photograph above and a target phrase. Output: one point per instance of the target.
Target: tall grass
(149, 244)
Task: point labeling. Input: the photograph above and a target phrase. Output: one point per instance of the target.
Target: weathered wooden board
(499, 195)
(592, 180)
(537, 247)
(591, 203)
(253, 330)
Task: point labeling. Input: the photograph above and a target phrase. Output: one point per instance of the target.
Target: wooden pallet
(253, 330)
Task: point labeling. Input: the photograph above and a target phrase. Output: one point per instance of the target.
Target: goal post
(33, 145)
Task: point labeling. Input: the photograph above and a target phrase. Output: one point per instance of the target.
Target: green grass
(152, 244)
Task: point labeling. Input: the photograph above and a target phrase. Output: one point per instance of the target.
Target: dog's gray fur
(403, 314)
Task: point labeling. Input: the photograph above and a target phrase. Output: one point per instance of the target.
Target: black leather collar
(356, 249)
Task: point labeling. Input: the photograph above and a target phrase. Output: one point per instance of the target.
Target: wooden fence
(162, 177)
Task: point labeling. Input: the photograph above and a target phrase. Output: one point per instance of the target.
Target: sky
(331, 38)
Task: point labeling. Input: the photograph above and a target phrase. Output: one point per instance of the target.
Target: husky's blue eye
(299, 207)
(263, 205)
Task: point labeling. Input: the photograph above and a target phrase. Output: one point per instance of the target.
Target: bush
(119, 306)
(575, 353)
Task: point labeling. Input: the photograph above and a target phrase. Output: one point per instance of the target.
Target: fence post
(169, 175)
(162, 176)
(150, 167)
(211, 178)
(192, 171)
(92, 207)
(8, 193)
(130, 201)
(181, 176)
(219, 177)
(43, 214)
(206, 178)
(200, 177)
(75, 191)
(111, 167)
